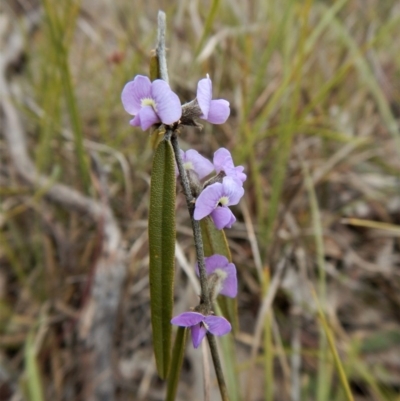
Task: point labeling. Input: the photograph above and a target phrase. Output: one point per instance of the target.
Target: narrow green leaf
(176, 363)
(154, 67)
(229, 310)
(162, 252)
(215, 242)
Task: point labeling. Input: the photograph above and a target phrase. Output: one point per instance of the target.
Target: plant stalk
(171, 135)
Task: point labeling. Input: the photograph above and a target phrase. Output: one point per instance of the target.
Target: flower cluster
(222, 280)
(219, 192)
(155, 103)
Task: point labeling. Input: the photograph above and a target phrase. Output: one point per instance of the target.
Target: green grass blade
(58, 34)
(293, 72)
(50, 119)
(331, 341)
(326, 18)
(268, 345)
(370, 82)
(34, 383)
(323, 381)
(176, 363)
(162, 252)
(208, 24)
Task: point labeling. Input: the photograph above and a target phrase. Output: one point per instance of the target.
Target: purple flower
(150, 102)
(215, 199)
(193, 160)
(225, 273)
(200, 324)
(223, 162)
(214, 111)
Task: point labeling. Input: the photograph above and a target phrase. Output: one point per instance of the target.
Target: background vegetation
(314, 88)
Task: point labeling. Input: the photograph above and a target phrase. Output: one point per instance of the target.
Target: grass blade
(34, 382)
(176, 363)
(336, 359)
(59, 35)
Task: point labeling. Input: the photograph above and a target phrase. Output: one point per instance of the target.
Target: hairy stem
(205, 291)
(198, 240)
(205, 296)
(218, 367)
(160, 50)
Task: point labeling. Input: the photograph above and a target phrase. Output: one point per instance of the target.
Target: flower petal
(168, 105)
(229, 286)
(237, 172)
(222, 160)
(148, 117)
(208, 200)
(198, 333)
(233, 190)
(213, 262)
(201, 165)
(219, 111)
(135, 121)
(217, 325)
(187, 319)
(204, 96)
(133, 93)
(223, 217)
(220, 262)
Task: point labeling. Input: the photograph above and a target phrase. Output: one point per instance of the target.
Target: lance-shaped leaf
(215, 242)
(154, 67)
(176, 363)
(162, 252)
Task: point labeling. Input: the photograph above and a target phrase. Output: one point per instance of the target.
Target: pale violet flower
(214, 111)
(223, 162)
(150, 102)
(199, 325)
(224, 272)
(193, 160)
(214, 201)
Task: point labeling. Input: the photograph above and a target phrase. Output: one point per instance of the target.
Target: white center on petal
(222, 274)
(223, 201)
(149, 102)
(219, 282)
(205, 325)
(188, 166)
